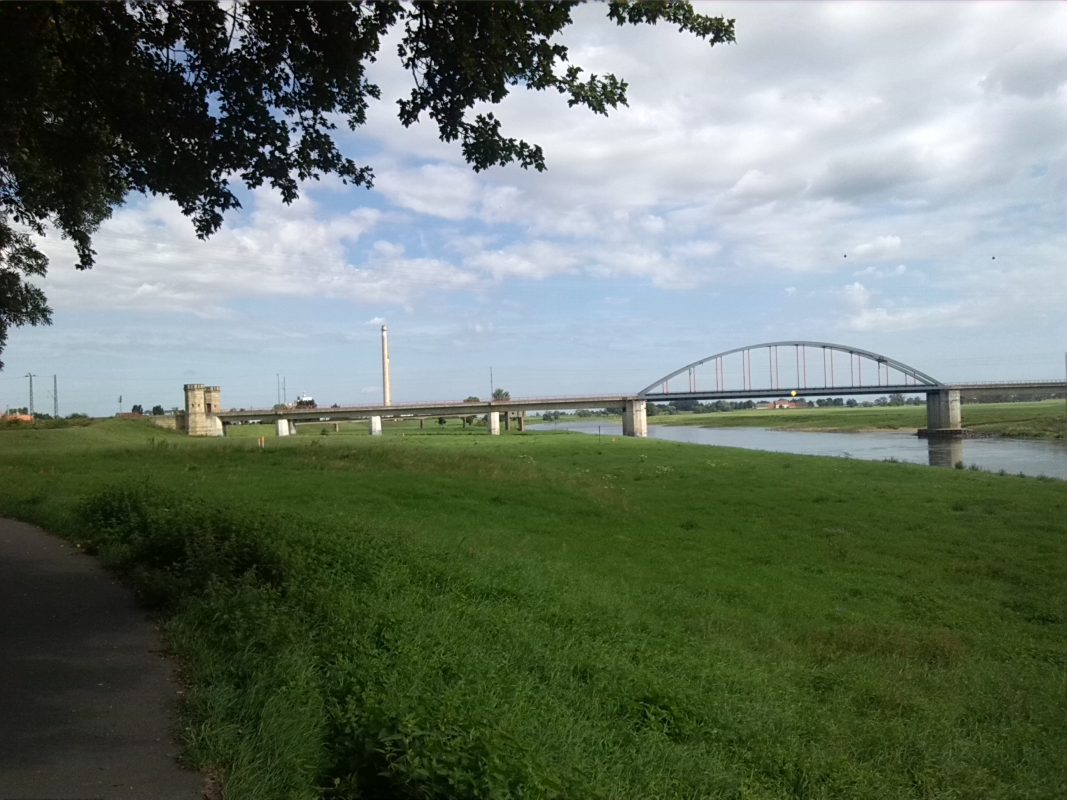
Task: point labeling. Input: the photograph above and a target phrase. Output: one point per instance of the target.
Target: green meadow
(1042, 420)
(444, 614)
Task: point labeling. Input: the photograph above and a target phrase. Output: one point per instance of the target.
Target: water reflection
(945, 452)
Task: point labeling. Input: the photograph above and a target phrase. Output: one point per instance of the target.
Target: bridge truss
(774, 369)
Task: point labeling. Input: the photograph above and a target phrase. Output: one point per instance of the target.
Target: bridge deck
(432, 409)
(461, 409)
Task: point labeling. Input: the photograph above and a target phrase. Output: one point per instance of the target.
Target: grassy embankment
(1044, 420)
(449, 615)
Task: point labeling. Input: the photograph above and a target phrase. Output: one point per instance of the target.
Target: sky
(888, 176)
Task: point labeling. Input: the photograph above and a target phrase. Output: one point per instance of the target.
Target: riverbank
(1044, 420)
(449, 614)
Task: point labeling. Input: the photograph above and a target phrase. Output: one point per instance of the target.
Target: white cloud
(856, 295)
(438, 190)
(149, 259)
(536, 260)
(877, 272)
(878, 248)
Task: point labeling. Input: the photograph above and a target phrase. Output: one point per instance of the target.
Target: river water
(1013, 456)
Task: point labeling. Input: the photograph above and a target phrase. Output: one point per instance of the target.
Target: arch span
(808, 367)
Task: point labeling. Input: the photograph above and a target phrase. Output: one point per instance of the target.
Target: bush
(172, 549)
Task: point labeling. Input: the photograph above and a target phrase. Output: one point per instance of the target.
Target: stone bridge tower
(202, 403)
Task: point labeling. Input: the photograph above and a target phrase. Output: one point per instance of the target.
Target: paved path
(86, 700)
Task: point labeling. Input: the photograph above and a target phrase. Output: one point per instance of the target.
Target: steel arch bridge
(797, 368)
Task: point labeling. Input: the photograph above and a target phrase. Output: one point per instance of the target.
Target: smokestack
(387, 394)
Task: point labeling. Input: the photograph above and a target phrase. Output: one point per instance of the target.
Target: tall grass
(455, 616)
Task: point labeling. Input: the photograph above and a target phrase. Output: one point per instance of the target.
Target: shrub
(172, 549)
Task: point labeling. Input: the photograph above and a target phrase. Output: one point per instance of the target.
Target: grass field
(451, 615)
(1046, 419)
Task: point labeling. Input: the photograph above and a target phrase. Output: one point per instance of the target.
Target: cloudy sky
(887, 176)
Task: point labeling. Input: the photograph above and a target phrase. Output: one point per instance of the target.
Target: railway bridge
(770, 370)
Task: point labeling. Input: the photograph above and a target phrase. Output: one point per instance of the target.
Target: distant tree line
(157, 410)
(1012, 396)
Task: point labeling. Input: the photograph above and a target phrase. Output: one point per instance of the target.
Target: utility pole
(492, 390)
(285, 391)
(55, 397)
(31, 376)
(278, 382)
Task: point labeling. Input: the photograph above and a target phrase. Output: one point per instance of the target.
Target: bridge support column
(375, 426)
(635, 419)
(494, 423)
(943, 414)
(285, 427)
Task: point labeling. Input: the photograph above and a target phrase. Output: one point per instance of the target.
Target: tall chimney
(387, 394)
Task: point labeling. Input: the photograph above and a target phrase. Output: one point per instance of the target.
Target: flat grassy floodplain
(1047, 419)
(450, 615)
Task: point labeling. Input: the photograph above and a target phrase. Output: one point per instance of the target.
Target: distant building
(783, 403)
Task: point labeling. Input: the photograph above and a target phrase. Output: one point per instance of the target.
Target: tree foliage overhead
(186, 99)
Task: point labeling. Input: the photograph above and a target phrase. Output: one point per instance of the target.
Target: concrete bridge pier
(635, 418)
(943, 416)
(285, 427)
(375, 426)
(494, 423)
(516, 418)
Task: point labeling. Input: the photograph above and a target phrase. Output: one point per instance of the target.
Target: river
(1014, 456)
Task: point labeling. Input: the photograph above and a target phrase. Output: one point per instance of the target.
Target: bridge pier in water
(635, 418)
(943, 418)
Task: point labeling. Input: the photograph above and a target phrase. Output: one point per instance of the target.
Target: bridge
(761, 371)
(204, 417)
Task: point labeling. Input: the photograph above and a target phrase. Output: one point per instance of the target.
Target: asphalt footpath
(87, 701)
